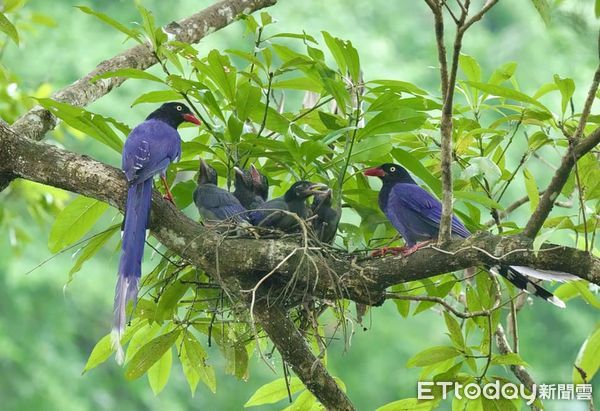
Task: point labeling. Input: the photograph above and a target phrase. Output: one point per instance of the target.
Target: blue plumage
(416, 214)
(215, 203)
(148, 151)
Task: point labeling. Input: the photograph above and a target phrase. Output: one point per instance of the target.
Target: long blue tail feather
(139, 200)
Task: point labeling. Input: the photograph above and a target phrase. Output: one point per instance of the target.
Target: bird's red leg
(385, 250)
(408, 251)
(167, 196)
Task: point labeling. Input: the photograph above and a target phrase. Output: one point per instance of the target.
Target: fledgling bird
(416, 214)
(251, 187)
(148, 151)
(327, 218)
(294, 201)
(215, 203)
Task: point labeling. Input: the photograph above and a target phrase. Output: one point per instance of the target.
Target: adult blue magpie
(416, 214)
(148, 151)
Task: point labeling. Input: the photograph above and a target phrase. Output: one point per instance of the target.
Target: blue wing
(215, 203)
(149, 149)
(416, 214)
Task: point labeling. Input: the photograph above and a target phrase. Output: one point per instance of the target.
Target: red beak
(374, 172)
(191, 118)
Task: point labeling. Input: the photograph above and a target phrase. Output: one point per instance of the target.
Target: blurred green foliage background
(47, 331)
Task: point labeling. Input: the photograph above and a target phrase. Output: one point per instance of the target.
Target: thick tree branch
(324, 276)
(38, 121)
(295, 351)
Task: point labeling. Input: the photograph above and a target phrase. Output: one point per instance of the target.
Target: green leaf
(9, 29)
(111, 22)
(588, 358)
(482, 166)
(305, 401)
(247, 96)
(583, 288)
(91, 248)
(543, 9)
(503, 73)
(158, 374)
(274, 391)
(193, 361)
(408, 404)
(336, 51)
(408, 161)
(393, 121)
(478, 198)
(149, 354)
(128, 73)
(453, 326)
(508, 359)
(432, 355)
(566, 86)
(470, 67)
(499, 91)
(532, 190)
(597, 8)
(94, 125)
(74, 221)
(157, 96)
(103, 348)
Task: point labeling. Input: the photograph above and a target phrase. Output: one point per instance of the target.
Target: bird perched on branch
(416, 214)
(215, 203)
(251, 187)
(148, 151)
(293, 201)
(327, 218)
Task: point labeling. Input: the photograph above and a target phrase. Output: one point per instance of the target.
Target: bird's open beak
(374, 172)
(203, 167)
(317, 188)
(191, 119)
(327, 193)
(239, 172)
(255, 174)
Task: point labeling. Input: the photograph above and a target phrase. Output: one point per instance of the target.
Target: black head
(206, 174)
(322, 199)
(301, 190)
(390, 173)
(243, 180)
(174, 114)
(260, 182)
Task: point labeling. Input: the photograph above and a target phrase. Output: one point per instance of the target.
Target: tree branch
(574, 152)
(325, 276)
(448, 83)
(518, 370)
(38, 121)
(295, 351)
(577, 149)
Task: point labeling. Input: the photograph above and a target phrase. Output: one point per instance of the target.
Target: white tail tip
(115, 338)
(557, 302)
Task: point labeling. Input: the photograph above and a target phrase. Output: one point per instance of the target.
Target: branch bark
(574, 153)
(327, 276)
(295, 351)
(38, 121)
